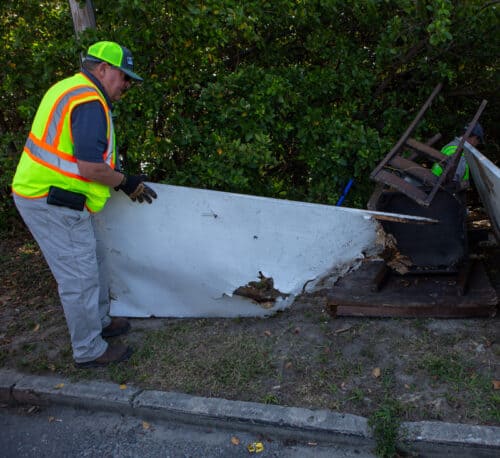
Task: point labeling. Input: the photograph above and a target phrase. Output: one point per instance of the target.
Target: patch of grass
(346, 369)
(356, 395)
(333, 388)
(465, 386)
(270, 398)
(388, 379)
(444, 368)
(324, 355)
(176, 359)
(122, 373)
(385, 423)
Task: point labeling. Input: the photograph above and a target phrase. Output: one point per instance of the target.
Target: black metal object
(431, 247)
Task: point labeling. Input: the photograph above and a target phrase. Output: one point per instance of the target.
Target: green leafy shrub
(284, 99)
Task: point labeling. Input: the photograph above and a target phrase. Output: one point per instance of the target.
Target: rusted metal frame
(399, 218)
(452, 164)
(408, 132)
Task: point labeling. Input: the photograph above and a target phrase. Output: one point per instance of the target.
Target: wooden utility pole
(83, 15)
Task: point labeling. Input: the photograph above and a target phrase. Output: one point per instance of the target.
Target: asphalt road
(67, 432)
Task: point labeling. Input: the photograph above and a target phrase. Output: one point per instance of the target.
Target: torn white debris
(186, 254)
(486, 177)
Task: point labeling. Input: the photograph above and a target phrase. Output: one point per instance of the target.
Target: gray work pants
(67, 240)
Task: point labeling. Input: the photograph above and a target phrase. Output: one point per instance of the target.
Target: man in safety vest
(64, 175)
(462, 172)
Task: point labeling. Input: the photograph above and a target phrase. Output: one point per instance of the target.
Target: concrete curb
(425, 438)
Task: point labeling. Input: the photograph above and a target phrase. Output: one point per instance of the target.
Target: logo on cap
(130, 61)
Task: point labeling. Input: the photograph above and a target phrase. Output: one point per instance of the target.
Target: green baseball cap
(114, 54)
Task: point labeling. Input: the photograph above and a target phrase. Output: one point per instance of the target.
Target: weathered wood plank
(414, 169)
(401, 185)
(426, 149)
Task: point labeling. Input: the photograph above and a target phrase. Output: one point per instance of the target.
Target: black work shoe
(117, 327)
(113, 354)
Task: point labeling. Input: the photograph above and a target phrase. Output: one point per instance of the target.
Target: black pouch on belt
(64, 198)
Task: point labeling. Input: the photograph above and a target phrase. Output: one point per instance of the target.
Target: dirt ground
(412, 369)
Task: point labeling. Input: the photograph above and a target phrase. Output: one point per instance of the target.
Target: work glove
(136, 189)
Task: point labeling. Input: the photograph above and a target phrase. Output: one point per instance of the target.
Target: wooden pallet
(373, 292)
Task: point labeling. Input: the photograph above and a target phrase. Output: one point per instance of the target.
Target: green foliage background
(282, 98)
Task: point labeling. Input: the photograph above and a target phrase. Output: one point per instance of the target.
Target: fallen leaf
(267, 333)
(255, 447)
(235, 440)
(496, 384)
(296, 331)
(123, 386)
(407, 386)
(376, 372)
(51, 419)
(288, 365)
(36, 328)
(145, 425)
(52, 367)
(59, 386)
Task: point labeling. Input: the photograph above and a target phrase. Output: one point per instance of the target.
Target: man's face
(114, 81)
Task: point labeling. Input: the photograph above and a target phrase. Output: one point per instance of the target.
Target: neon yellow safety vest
(448, 150)
(48, 156)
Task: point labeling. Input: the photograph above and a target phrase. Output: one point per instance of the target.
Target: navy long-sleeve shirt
(88, 125)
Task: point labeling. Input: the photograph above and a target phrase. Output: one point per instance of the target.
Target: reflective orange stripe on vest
(45, 152)
(59, 110)
(52, 158)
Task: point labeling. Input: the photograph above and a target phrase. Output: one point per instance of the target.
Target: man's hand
(136, 189)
